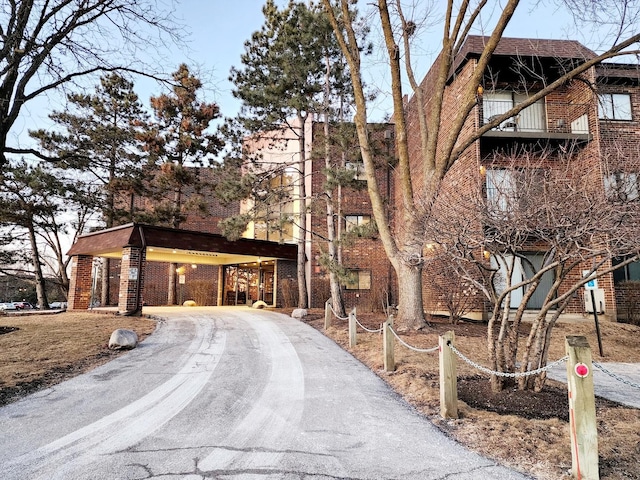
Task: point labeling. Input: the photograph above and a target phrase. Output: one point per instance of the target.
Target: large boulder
(123, 339)
(190, 303)
(299, 313)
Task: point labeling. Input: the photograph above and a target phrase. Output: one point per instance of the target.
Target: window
(510, 189)
(621, 186)
(354, 221)
(614, 106)
(358, 280)
(358, 170)
(501, 189)
(629, 272)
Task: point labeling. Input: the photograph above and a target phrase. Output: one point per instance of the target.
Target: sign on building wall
(592, 284)
(133, 273)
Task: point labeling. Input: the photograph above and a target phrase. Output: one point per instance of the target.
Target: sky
(217, 30)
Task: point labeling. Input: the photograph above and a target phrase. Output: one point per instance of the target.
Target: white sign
(182, 279)
(592, 284)
(133, 274)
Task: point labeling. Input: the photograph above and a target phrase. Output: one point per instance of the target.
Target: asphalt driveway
(229, 393)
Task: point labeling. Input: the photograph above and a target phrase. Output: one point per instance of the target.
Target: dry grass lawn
(46, 349)
(521, 429)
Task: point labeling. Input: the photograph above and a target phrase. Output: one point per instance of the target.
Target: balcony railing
(541, 117)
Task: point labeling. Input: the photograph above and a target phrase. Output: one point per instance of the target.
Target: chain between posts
(367, 329)
(335, 314)
(415, 349)
(357, 321)
(506, 374)
(614, 376)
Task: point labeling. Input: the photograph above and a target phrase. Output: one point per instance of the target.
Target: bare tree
(440, 147)
(47, 44)
(541, 220)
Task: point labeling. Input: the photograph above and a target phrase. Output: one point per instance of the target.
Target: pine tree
(177, 144)
(283, 79)
(100, 145)
(33, 203)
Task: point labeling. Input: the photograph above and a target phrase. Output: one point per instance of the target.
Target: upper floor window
(358, 170)
(622, 186)
(501, 188)
(614, 106)
(354, 221)
(358, 280)
(510, 189)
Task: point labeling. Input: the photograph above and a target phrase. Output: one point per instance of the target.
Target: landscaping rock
(190, 303)
(299, 313)
(123, 339)
(259, 304)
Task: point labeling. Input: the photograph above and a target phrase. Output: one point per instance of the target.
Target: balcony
(541, 120)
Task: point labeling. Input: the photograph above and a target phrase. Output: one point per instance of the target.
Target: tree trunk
(303, 294)
(41, 291)
(171, 292)
(411, 311)
(337, 301)
(104, 282)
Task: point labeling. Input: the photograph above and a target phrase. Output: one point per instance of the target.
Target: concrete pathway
(621, 384)
(230, 393)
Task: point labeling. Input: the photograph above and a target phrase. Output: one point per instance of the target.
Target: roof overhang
(172, 245)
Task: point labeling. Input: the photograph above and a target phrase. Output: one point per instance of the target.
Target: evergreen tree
(99, 143)
(34, 205)
(283, 79)
(177, 144)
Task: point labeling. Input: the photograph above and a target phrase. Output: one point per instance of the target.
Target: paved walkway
(230, 394)
(621, 384)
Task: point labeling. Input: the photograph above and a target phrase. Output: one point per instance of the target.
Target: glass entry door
(245, 284)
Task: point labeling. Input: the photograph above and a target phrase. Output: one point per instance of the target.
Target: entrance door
(537, 299)
(247, 283)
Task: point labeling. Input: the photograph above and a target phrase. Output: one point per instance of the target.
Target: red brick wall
(132, 272)
(80, 283)
(363, 253)
(562, 107)
(201, 284)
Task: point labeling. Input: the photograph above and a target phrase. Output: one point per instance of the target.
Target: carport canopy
(164, 244)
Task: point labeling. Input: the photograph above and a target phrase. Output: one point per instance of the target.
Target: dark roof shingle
(565, 49)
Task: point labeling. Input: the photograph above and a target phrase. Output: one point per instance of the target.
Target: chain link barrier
(506, 374)
(415, 349)
(614, 376)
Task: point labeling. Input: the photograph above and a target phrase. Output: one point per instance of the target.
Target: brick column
(131, 279)
(80, 282)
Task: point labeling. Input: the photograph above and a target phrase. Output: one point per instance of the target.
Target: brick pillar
(80, 283)
(131, 279)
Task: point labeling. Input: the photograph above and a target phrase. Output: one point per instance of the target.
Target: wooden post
(582, 410)
(352, 329)
(388, 343)
(327, 314)
(448, 377)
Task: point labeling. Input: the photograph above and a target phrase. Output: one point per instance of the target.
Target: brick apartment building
(371, 280)
(204, 277)
(595, 115)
